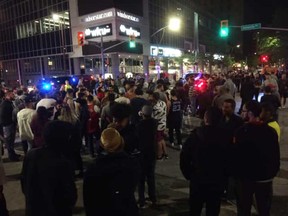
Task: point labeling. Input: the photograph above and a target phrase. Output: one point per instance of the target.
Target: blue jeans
(9, 133)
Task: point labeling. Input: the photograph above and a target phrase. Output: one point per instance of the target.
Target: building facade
(38, 38)
(35, 39)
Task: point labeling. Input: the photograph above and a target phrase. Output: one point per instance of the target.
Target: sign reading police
(125, 30)
(97, 31)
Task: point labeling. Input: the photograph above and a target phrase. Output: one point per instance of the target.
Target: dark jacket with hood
(109, 186)
(48, 177)
(256, 152)
(203, 158)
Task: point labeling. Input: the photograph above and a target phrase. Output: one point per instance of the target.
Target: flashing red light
(200, 85)
(264, 58)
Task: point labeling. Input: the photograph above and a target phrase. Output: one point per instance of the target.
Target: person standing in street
(146, 131)
(174, 119)
(136, 104)
(230, 123)
(204, 161)
(110, 182)
(267, 116)
(47, 175)
(246, 91)
(8, 125)
(272, 99)
(283, 89)
(256, 161)
(24, 119)
(159, 113)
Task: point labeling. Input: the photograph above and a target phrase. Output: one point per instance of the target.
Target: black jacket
(256, 152)
(146, 132)
(203, 158)
(109, 186)
(232, 125)
(6, 113)
(48, 184)
(247, 89)
(136, 104)
(271, 99)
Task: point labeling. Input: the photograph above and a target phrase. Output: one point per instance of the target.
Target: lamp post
(57, 18)
(174, 24)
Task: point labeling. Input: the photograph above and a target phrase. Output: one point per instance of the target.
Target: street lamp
(56, 18)
(174, 24)
(238, 46)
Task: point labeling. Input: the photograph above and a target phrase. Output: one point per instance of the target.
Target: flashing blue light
(46, 86)
(73, 80)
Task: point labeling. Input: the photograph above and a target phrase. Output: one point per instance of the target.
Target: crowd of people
(123, 125)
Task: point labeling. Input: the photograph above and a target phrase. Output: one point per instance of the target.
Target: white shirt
(122, 100)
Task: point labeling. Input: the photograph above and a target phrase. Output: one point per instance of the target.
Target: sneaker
(143, 206)
(160, 158)
(166, 156)
(172, 144)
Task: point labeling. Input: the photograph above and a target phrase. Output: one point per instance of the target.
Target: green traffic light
(132, 44)
(224, 32)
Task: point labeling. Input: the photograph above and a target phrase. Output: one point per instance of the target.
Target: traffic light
(132, 42)
(80, 38)
(264, 58)
(224, 30)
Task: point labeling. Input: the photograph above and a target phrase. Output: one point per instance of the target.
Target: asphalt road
(172, 188)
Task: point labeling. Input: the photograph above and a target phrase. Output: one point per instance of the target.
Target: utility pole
(102, 56)
(103, 50)
(196, 39)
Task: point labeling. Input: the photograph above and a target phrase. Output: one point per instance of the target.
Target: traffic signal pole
(103, 50)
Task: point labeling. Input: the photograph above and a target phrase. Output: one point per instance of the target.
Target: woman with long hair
(67, 115)
(38, 124)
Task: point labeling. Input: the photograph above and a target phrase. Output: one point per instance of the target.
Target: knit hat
(111, 140)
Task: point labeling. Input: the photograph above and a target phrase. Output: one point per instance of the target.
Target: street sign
(251, 27)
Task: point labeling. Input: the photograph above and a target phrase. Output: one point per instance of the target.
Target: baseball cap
(47, 103)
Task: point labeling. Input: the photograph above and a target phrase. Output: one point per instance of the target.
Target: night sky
(259, 11)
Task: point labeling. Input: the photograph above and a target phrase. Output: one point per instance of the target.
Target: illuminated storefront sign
(111, 13)
(127, 16)
(165, 51)
(125, 30)
(99, 16)
(97, 31)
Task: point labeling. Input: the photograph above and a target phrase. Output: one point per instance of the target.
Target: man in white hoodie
(24, 118)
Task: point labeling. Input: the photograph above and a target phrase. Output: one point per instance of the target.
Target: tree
(275, 43)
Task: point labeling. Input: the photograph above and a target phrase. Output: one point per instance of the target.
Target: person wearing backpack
(93, 128)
